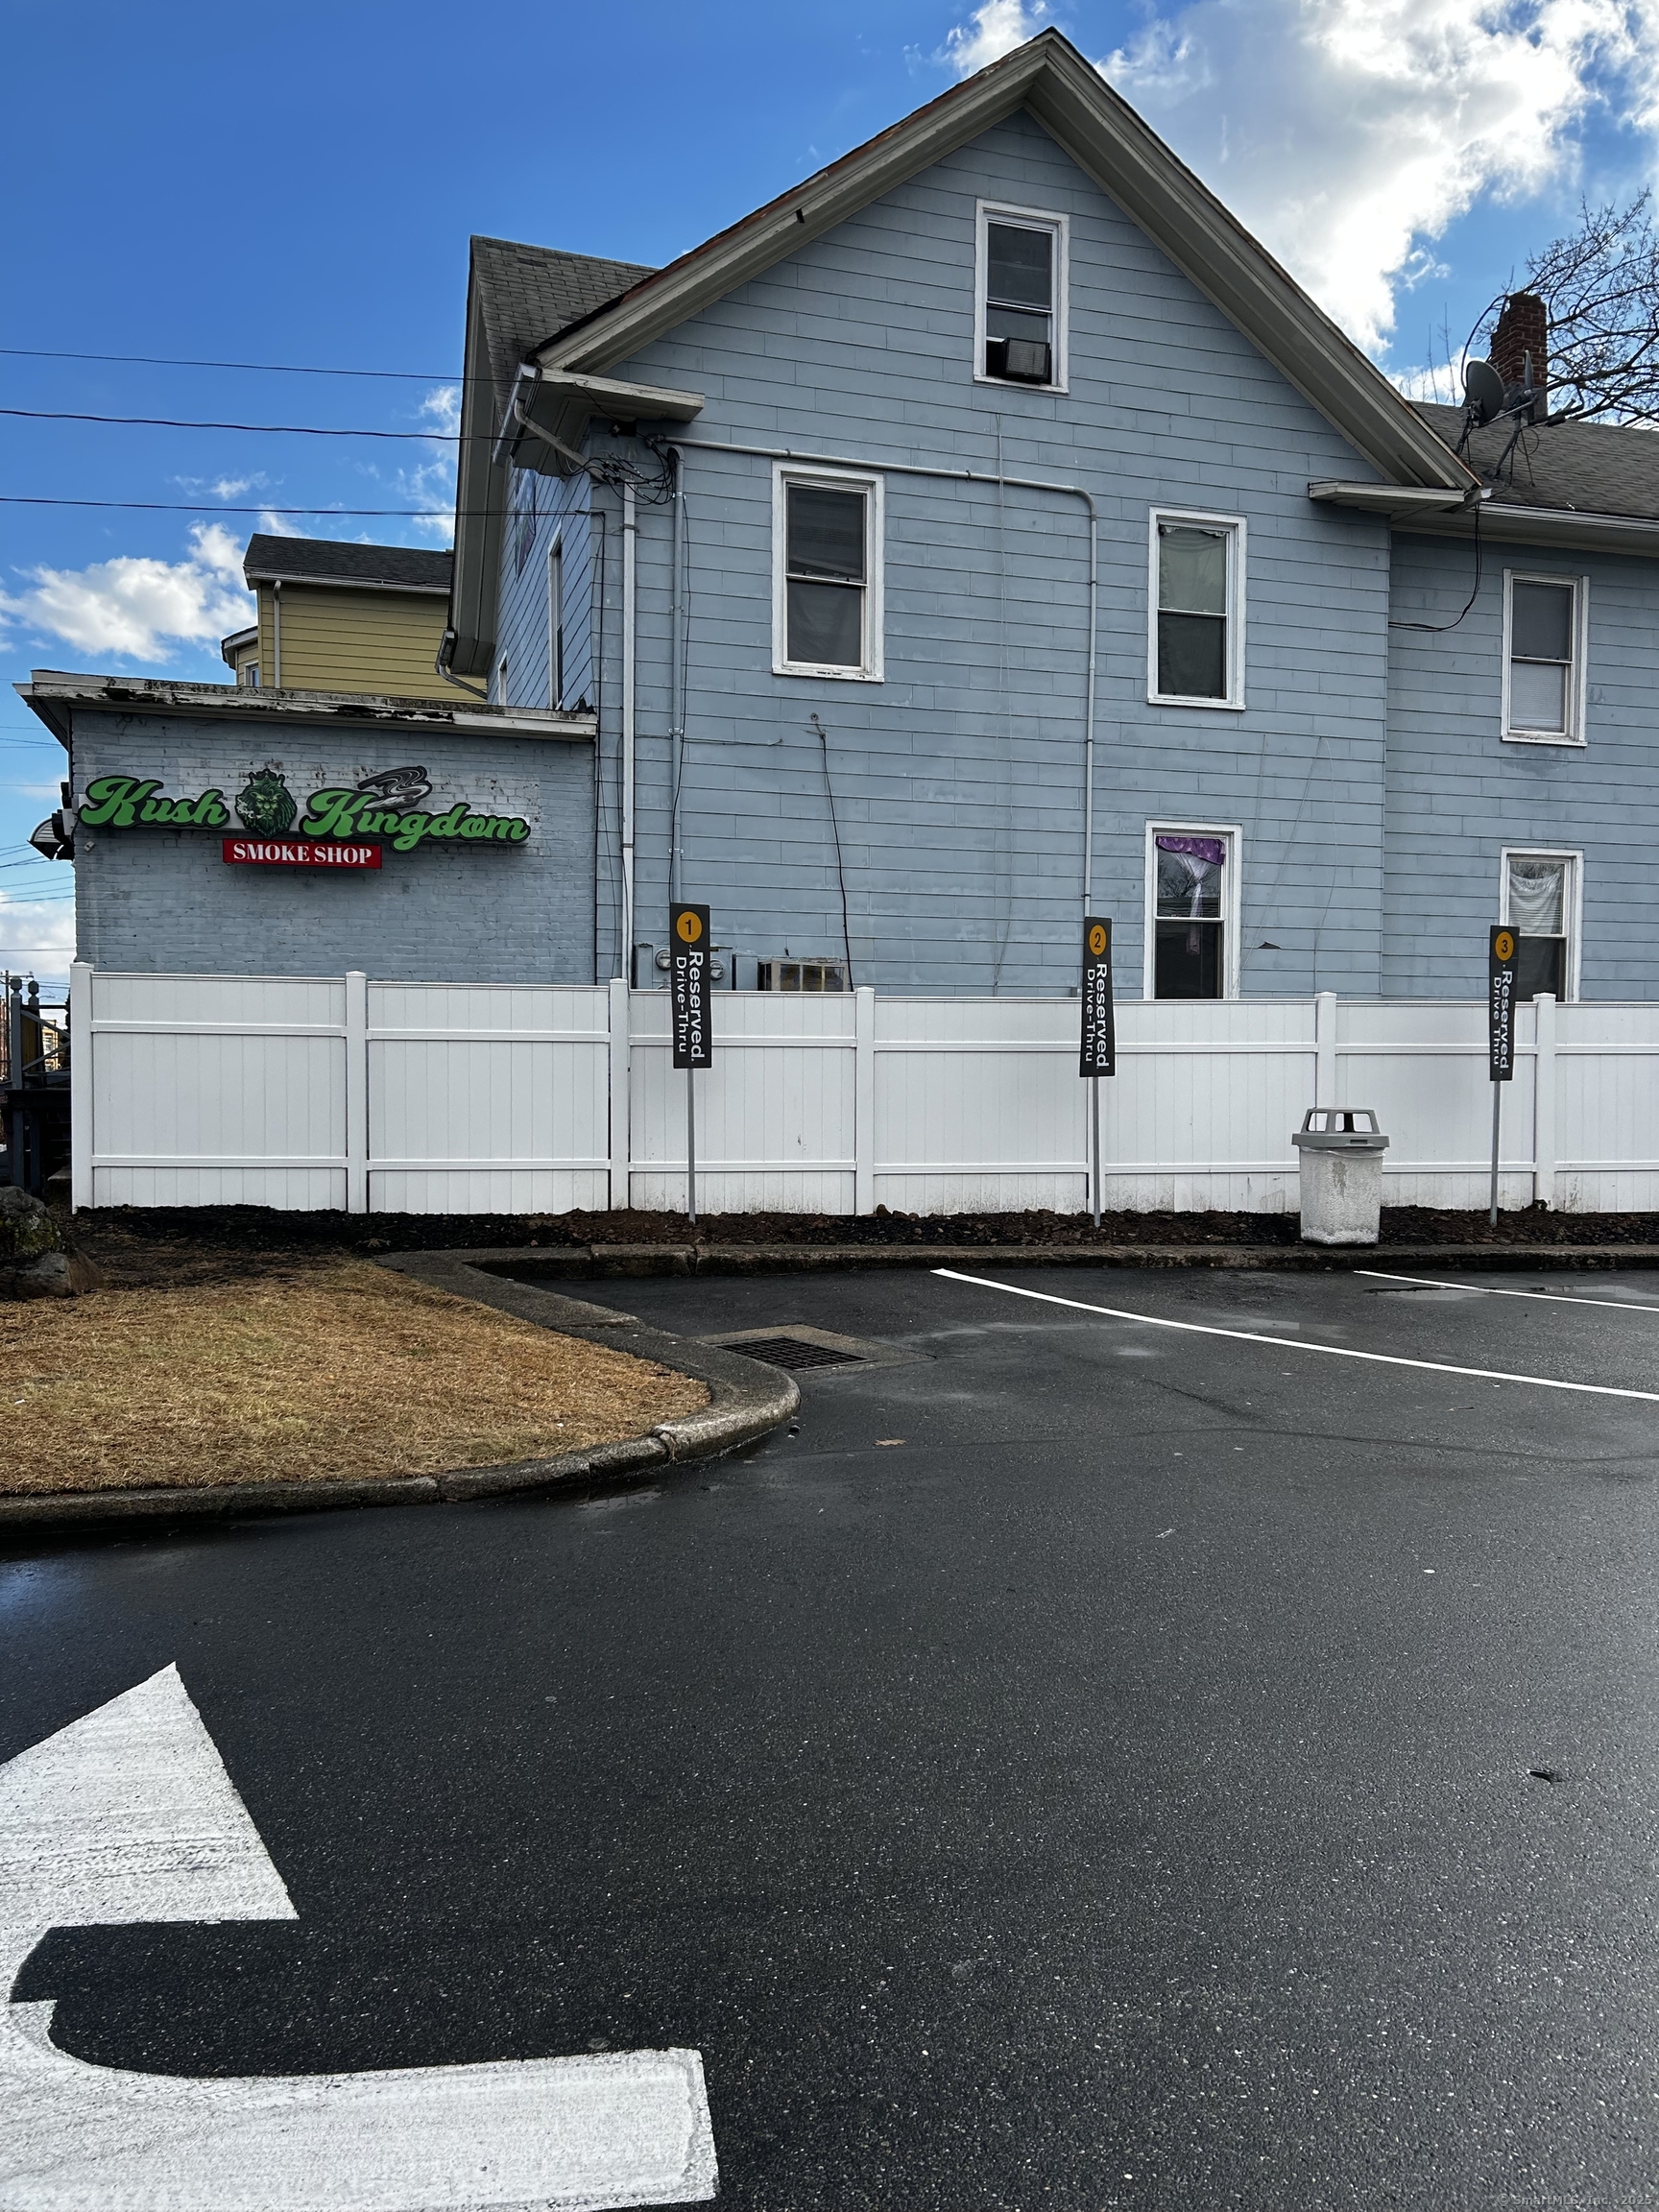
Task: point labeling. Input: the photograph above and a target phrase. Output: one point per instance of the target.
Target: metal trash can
(1341, 1174)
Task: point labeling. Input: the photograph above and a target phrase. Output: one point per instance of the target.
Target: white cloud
(36, 935)
(441, 406)
(223, 486)
(136, 607)
(1348, 134)
(991, 31)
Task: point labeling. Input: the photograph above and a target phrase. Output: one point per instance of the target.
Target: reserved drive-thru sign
(689, 978)
(1505, 950)
(1099, 1050)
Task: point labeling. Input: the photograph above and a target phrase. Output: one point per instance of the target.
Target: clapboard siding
(355, 640)
(958, 781)
(1457, 793)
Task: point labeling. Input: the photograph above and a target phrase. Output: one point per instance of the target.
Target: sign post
(1098, 1055)
(1503, 953)
(693, 1045)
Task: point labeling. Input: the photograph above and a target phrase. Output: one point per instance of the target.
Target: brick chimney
(1523, 330)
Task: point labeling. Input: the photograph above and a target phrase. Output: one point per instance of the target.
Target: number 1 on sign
(688, 981)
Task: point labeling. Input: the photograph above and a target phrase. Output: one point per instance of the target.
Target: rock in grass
(35, 1258)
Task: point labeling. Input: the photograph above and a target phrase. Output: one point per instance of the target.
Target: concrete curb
(747, 1401)
(576, 1263)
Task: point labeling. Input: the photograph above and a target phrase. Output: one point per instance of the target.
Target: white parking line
(1292, 1343)
(1491, 1291)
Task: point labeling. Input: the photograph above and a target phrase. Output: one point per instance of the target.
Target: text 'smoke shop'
(218, 833)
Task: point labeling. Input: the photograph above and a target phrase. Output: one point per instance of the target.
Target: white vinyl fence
(336, 1092)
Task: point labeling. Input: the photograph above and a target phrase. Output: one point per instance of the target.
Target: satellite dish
(1483, 391)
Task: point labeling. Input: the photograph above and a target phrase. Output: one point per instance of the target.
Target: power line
(204, 507)
(260, 430)
(261, 368)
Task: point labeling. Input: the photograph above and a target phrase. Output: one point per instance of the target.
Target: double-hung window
(1544, 629)
(826, 573)
(1538, 899)
(1195, 644)
(1192, 909)
(1021, 298)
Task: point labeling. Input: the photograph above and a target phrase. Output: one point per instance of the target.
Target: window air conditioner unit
(1020, 360)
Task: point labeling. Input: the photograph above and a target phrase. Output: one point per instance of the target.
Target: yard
(301, 1369)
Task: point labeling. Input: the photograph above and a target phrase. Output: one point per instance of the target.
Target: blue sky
(299, 187)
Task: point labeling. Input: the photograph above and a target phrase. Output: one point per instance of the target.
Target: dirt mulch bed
(222, 1244)
(331, 1368)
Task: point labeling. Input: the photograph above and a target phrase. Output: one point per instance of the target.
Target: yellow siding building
(341, 618)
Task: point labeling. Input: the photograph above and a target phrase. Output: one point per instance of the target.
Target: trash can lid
(1338, 1129)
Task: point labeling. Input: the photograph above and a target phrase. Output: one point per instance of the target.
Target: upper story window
(826, 526)
(1544, 631)
(248, 675)
(1020, 319)
(1197, 602)
(1538, 897)
(523, 518)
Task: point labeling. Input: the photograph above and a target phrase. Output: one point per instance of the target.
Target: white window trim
(986, 212)
(1572, 899)
(1577, 684)
(783, 474)
(1234, 836)
(1236, 529)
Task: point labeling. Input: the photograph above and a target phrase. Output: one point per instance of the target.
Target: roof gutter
(1570, 528)
(1394, 499)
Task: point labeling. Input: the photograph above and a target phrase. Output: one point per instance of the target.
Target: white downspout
(630, 530)
(277, 635)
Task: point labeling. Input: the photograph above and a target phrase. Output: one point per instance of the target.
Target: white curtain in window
(1190, 877)
(1538, 897)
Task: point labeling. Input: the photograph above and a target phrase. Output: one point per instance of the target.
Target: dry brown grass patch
(340, 1370)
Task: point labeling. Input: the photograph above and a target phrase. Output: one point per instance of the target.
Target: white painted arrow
(129, 1815)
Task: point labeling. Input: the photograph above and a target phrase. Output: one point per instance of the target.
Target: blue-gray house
(996, 461)
(985, 532)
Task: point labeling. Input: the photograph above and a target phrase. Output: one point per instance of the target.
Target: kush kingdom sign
(388, 805)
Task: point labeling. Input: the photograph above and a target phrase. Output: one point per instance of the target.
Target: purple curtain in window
(1211, 849)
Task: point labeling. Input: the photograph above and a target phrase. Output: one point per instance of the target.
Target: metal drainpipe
(677, 686)
(974, 476)
(277, 635)
(629, 536)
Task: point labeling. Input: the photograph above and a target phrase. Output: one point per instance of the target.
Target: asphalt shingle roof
(330, 560)
(1579, 468)
(528, 294)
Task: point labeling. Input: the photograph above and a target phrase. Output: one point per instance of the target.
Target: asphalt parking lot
(1088, 1764)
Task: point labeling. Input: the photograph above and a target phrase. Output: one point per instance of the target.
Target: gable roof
(1568, 468)
(1102, 133)
(331, 561)
(527, 294)
(517, 298)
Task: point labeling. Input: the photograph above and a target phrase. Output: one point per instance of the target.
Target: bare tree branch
(1600, 286)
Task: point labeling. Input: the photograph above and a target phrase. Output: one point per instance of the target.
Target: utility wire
(212, 507)
(260, 430)
(1438, 629)
(262, 368)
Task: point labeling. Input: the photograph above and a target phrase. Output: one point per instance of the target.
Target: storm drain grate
(789, 1351)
